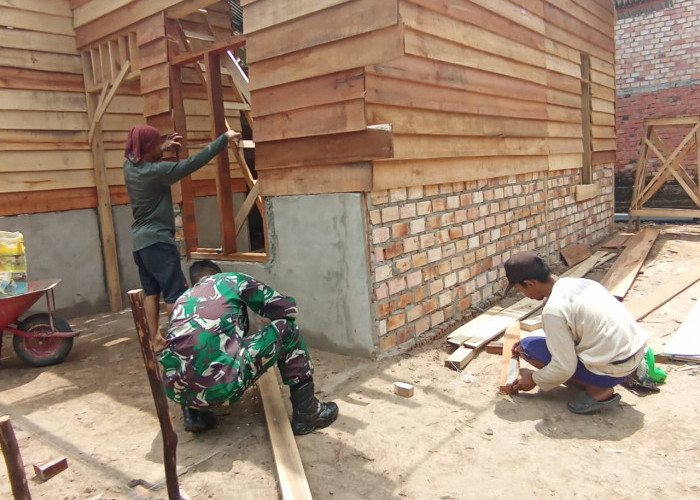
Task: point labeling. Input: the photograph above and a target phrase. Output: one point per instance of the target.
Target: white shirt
(582, 320)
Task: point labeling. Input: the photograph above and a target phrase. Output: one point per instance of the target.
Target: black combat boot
(198, 420)
(308, 413)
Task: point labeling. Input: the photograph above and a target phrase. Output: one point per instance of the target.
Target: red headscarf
(142, 139)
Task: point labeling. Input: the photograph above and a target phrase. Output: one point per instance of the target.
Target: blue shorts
(160, 271)
(536, 348)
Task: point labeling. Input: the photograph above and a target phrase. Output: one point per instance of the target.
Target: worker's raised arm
(182, 168)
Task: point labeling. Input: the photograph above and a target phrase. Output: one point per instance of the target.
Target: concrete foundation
(321, 261)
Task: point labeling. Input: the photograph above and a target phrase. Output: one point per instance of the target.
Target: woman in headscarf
(148, 182)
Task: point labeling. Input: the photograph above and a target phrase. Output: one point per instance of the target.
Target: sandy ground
(456, 438)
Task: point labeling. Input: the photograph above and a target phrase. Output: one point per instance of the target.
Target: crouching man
(210, 358)
(591, 340)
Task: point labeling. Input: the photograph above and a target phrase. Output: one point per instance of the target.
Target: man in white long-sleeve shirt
(591, 340)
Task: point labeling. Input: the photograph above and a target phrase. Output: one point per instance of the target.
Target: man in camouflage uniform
(210, 358)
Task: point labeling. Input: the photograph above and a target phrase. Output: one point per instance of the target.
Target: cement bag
(13, 264)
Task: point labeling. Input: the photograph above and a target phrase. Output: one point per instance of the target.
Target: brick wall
(437, 251)
(657, 76)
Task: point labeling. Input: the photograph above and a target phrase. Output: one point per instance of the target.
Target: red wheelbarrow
(42, 339)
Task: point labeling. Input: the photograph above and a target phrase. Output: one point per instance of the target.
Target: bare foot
(159, 343)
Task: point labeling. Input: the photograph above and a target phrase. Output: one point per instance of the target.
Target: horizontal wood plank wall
(575, 27)
(45, 160)
(306, 61)
(490, 89)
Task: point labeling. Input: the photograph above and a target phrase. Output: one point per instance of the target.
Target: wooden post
(13, 460)
(290, 470)
(223, 171)
(189, 223)
(96, 108)
(166, 424)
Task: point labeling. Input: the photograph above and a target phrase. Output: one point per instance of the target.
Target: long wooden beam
(223, 171)
(96, 109)
(290, 470)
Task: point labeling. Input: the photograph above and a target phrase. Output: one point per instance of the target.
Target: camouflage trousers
(279, 342)
(213, 376)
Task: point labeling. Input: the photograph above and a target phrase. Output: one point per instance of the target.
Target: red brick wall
(437, 251)
(658, 74)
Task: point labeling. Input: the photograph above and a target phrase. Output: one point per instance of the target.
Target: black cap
(521, 266)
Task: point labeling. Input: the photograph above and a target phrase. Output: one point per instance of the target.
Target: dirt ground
(456, 438)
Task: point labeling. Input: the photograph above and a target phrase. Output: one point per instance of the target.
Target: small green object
(655, 373)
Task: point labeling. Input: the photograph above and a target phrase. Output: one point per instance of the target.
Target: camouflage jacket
(202, 359)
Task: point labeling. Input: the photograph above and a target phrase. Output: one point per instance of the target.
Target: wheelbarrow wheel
(38, 351)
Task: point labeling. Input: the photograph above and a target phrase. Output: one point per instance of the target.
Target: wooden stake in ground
(510, 365)
(290, 470)
(13, 460)
(166, 424)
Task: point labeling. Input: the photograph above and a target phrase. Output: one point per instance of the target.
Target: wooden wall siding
(43, 115)
(472, 88)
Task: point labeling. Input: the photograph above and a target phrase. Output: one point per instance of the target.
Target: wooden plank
(348, 116)
(223, 175)
(425, 45)
(380, 45)
(412, 94)
(325, 89)
(350, 147)
(10, 182)
(232, 257)
(36, 21)
(573, 254)
(18, 78)
(621, 275)
(43, 140)
(346, 178)
(421, 121)
(672, 287)
(56, 200)
(41, 42)
(263, 14)
(44, 61)
(290, 469)
(13, 460)
(60, 8)
(95, 9)
(118, 19)
(494, 22)
(513, 13)
(43, 120)
(686, 341)
(32, 100)
(433, 146)
(21, 161)
(510, 365)
(343, 20)
(463, 32)
(443, 74)
(617, 241)
(389, 174)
